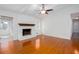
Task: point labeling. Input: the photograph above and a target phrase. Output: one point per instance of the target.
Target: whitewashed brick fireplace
(26, 32)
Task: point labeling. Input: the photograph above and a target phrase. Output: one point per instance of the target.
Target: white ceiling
(27, 9)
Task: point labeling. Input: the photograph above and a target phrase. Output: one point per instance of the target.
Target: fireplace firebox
(26, 32)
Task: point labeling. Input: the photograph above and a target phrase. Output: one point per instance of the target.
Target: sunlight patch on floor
(37, 44)
(76, 52)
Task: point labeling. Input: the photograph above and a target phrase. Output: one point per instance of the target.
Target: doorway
(6, 25)
(75, 30)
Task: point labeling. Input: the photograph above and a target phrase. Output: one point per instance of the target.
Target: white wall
(59, 22)
(20, 18)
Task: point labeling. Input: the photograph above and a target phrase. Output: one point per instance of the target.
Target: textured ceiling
(27, 9)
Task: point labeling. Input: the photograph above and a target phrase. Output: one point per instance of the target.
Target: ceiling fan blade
(49, 10)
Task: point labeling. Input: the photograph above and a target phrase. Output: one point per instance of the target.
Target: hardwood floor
(75, 41)
(48, 45)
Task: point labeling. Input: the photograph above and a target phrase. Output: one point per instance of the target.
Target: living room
(25, 30)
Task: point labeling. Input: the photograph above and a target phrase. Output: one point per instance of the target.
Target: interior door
(75, 29)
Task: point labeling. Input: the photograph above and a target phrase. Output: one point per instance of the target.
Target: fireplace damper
(26, 32)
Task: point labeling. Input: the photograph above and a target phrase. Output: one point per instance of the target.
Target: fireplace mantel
(22, 24)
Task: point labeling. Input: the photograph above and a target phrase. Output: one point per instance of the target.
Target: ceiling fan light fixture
(43, 12)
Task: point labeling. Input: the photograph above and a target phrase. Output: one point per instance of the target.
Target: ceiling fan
(44, 11)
